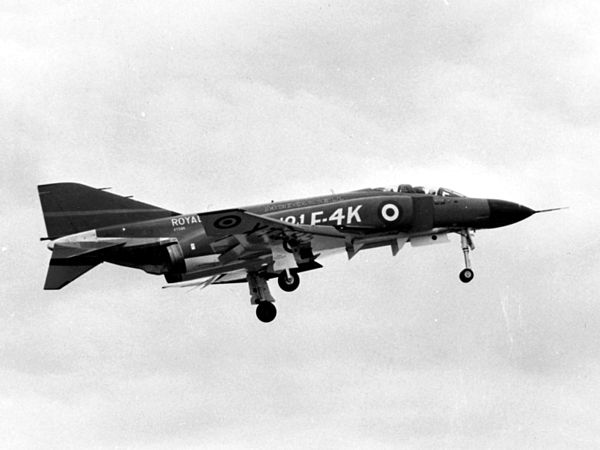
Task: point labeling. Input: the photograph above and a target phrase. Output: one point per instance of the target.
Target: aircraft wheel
(288, 284)
(266, 311)
(290, 245)
(466, 275)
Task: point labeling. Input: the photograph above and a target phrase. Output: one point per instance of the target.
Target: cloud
(206, 106)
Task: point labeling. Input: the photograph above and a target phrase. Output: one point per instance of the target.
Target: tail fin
(70, 208)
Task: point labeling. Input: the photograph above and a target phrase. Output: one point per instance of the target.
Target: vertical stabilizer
(70, 208)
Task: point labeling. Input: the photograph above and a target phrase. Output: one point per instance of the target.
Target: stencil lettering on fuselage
(341, 216)
(179, 223)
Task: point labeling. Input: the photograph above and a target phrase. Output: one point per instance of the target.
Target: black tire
(266, 312)
(289, 246)
(466, 275)
(288, 285)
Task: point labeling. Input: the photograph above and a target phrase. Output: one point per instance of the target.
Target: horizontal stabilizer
(62, 272)
(68, 250)
(71, 260)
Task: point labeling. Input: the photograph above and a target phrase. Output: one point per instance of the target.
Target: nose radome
(505, 213)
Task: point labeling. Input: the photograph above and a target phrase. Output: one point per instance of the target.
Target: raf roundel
(390, 212)
(227, 222)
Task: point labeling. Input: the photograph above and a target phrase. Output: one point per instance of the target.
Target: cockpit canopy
(409, 189)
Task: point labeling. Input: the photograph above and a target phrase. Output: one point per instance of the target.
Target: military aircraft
(87, 226)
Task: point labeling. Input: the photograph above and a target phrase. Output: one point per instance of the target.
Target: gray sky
(203, 106)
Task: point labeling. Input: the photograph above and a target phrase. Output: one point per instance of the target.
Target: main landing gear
(266, 311)
(260, 295)
(288, 280)
(466, 275)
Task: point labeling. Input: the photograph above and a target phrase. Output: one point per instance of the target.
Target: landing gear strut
(260, 295)
(466, 275)
(288, 280)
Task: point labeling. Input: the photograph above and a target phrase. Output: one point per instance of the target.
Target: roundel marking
(390, 212)
(227, 222)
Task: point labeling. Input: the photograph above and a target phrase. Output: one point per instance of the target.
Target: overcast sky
(201, 105)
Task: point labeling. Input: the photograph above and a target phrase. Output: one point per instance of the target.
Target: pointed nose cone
(505, 213)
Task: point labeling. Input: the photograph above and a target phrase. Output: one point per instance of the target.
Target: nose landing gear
(466, 275)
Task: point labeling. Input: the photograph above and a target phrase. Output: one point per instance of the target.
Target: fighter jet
(87, 226)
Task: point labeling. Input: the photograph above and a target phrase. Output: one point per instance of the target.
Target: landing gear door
(423, 213)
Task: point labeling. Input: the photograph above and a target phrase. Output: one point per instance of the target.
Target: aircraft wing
(246, 241)
(240, 234)
(238, 221)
